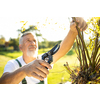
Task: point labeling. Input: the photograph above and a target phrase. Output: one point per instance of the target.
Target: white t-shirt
(13, 65)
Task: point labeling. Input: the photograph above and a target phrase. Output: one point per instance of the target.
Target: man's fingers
(85, 27)
(37, 69)
(43, 69)
(45, 64)
(81, 23)
(40, 73)
(37, 76)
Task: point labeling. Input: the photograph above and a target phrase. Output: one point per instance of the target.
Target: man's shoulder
(13, 61)
(20, 59)
(11, 66)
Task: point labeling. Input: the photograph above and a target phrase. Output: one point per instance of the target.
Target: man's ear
(20, 47)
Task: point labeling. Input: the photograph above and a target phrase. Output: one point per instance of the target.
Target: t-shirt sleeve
(9, 67)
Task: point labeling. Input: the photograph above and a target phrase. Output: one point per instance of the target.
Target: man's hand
(37, 69)
(81, 24)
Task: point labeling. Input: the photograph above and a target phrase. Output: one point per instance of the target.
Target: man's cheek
(27, 45)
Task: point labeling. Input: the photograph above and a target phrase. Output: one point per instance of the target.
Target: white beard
(32, 53)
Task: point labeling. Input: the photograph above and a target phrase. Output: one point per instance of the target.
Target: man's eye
(34, 40)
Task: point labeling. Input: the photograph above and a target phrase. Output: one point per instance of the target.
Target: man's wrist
(73, 32)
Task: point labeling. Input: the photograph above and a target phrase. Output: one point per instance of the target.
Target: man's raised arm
(67, 43)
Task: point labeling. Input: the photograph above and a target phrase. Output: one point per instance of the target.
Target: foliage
(2, 40)
(93, 28)
(14, 43)
(47, 44)
(52, 43)
(31, 28)
(89, 69)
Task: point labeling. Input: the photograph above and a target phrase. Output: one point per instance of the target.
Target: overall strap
(24, 80)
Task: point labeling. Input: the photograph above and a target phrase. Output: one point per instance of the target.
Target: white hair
(26, 33)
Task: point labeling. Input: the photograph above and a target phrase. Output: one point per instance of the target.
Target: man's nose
(32, 42)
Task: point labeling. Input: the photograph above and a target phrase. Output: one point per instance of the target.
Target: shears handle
(48, 56)
(48, 59)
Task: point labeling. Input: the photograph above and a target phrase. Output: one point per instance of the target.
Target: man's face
(29, 45)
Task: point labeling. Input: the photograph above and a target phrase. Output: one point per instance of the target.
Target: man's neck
(28, 59)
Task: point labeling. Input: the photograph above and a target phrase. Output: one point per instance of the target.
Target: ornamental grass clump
(88, 70)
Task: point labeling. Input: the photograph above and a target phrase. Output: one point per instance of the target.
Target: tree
(31, 28)
(52, 43)
(14, 43)
(2, 40)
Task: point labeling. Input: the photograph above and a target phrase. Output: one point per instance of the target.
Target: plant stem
(82, 41)
(95, 50)
(84, 55)
(97, 59)
(79, 51)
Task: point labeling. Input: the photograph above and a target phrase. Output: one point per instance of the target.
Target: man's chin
(31, 54)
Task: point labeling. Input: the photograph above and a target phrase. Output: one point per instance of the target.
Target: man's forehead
(29, 36)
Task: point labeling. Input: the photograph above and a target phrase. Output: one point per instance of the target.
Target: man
(33, 69)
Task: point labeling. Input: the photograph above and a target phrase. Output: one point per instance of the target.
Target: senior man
(30, 68)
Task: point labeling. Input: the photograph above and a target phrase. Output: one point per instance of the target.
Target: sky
(33, 11)
(51, 28)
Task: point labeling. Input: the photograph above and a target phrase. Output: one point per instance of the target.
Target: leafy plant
(89, 69)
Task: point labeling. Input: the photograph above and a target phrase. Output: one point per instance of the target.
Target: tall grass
(3, 61)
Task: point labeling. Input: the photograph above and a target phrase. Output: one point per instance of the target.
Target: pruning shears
(48, 55)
